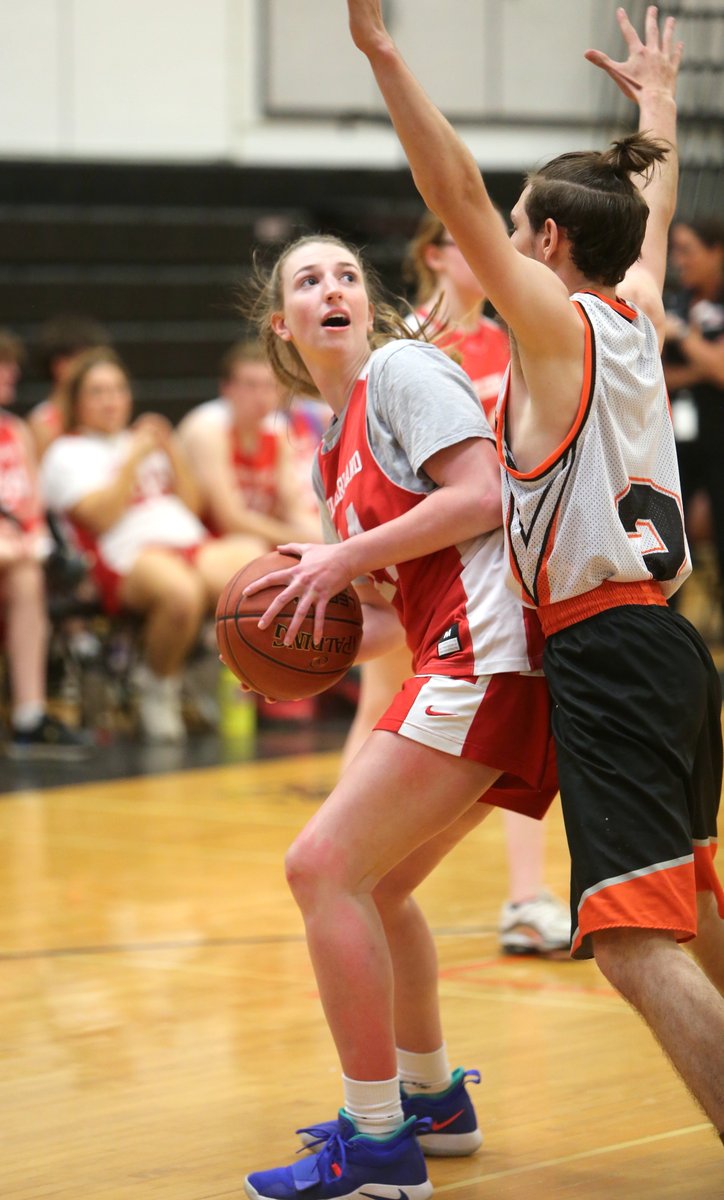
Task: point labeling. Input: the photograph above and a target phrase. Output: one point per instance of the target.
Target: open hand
(320, 573)
(650, 66)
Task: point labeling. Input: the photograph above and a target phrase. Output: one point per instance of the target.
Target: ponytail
(592, 195)
(634, 155)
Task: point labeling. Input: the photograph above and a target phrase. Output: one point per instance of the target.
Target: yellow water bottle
(237, 712)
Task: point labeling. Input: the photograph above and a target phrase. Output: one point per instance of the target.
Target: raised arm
(524, 292)
(649, 77)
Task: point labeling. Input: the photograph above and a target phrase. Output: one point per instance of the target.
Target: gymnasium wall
(146, 146)
(280, 81)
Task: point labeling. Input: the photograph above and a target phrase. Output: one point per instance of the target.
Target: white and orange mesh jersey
(605, 507)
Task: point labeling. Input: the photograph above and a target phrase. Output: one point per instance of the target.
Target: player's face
(451, 269)
(696, 264)
(326, 312)
(522, 236)
(252, 391)
(104, 400)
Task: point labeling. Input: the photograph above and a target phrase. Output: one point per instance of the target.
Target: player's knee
(303, 867)
(184, 600)
(312, 868)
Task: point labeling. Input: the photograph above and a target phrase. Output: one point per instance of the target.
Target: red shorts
(109, 582)
(501, 720)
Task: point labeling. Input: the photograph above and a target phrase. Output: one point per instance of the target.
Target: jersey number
(655, 518)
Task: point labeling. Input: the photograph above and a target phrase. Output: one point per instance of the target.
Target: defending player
(595, 531)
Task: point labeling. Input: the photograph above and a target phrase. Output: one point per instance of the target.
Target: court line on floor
(563, 1160)
(189, 943)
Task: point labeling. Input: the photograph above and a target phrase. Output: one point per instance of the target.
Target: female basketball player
(449, 301)
(595, 531)
(407, 466)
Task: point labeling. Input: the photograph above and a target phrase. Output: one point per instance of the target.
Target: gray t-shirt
(419, 401)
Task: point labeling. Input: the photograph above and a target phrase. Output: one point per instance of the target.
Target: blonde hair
(415, 268)
(265, 297)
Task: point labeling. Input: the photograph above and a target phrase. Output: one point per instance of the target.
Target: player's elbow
(491, 508)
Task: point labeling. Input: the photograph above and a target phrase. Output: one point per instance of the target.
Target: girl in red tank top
(411, 503)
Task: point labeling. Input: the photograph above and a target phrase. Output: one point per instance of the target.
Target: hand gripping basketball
(272, 642)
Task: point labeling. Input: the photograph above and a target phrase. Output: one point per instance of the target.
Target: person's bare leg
(395, 796)
(221, 558)
(170, 595)
(524, 846)
(26, 621)
(418, 1025)
(708, 945)
(682, 1008)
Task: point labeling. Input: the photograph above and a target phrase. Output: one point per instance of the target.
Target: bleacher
(157, 253)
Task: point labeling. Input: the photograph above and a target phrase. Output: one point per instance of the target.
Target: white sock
(374, 1105)
(26, 716)
(424, 1072)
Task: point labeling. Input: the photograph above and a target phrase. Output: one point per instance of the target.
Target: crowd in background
(162, 516)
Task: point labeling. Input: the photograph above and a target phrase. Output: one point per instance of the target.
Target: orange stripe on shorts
(664, 897)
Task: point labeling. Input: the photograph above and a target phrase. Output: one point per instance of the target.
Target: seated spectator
(24, 544)
(131, 498)
(61, 339)
(694, 370)
(245, 455)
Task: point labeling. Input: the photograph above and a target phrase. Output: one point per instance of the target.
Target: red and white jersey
(605, 507)
(410, 401)
(484, 355)
(19, 493)
(255, 469)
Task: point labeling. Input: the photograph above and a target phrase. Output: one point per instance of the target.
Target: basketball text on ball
(259, 657)
(305, 641)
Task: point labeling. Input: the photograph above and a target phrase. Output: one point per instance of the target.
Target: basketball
(259, 658)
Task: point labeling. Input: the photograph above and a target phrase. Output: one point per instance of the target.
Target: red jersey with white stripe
(484, 356)
(410, 401)
(605, 508)
(18, 490)
(256, 470)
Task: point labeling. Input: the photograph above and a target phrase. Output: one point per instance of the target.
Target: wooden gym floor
(161, 1036)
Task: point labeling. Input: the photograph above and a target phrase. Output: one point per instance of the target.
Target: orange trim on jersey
(620, 306)
(584, 402)
(657, 487)
(661, 899)
(563, 613)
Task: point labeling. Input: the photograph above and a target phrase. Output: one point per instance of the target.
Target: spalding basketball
(259, 658)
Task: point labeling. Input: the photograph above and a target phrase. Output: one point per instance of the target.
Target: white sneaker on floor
(159, 707)
(538, 926)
